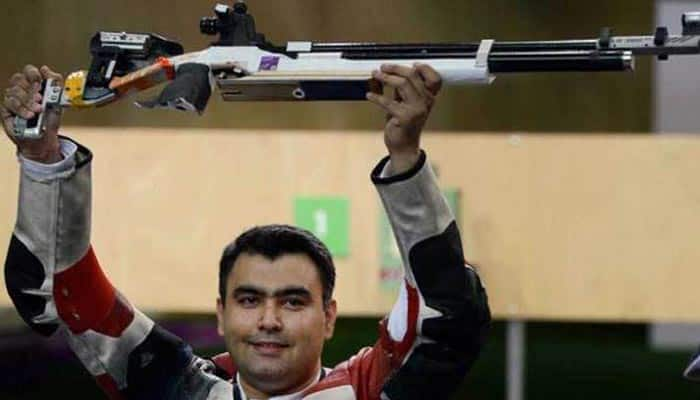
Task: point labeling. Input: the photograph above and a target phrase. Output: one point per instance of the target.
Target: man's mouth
(270, 348)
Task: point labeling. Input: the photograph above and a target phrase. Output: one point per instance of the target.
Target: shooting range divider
(561, 227)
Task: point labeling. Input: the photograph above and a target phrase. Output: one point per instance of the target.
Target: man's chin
(266, 368)
(270, 379)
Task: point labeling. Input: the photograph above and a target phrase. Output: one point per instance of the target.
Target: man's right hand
(22, 98)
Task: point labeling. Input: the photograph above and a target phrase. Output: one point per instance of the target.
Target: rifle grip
(34, 128)
(190, 91)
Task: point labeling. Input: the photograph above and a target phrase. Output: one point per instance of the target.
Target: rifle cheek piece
(190, 91)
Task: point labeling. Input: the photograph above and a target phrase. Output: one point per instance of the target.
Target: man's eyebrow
(293, 291)
(248, 289)
(285, 291)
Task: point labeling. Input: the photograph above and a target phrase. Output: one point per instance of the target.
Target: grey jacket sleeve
(440, 322)
(56, 284)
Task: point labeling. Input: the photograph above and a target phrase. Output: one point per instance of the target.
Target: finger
(32, 74)
(391, 107)
(432, 79)
(47, 73)
(427, 98)
(21, 81)
(397, 113)
(410, 111)
(409, 73)
(16, 107)
(30, 101)
(416, 110)
(409, 89)
(403, 85)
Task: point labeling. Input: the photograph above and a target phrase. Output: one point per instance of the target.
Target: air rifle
(243, 65)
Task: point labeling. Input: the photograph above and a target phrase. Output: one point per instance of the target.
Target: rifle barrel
(638, 45)
(520, 61)
(561, 62)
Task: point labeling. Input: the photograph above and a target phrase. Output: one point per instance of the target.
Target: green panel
(389, 256)
(327, 218)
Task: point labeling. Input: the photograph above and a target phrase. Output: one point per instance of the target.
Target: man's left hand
(415, 89)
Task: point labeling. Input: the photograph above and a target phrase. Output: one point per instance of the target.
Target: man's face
(274, 322)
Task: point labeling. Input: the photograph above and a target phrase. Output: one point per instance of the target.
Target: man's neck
(251, 393)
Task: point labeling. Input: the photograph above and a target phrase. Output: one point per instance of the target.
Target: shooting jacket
(425, 347)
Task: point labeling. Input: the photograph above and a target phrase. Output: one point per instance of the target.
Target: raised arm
(55, 280)
(439, 323)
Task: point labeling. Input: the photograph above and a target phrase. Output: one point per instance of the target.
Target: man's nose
(270, 318)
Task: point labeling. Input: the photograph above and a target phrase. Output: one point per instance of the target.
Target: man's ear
(331, 312)
(220, 316)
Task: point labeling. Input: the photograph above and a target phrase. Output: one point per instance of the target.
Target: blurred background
(592, 292)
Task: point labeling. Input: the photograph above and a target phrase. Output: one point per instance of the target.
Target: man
(275, 307)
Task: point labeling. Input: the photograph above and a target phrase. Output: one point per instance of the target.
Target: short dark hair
(273, 241)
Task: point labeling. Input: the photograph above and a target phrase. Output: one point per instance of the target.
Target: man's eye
(247, 301)
(294, 303)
